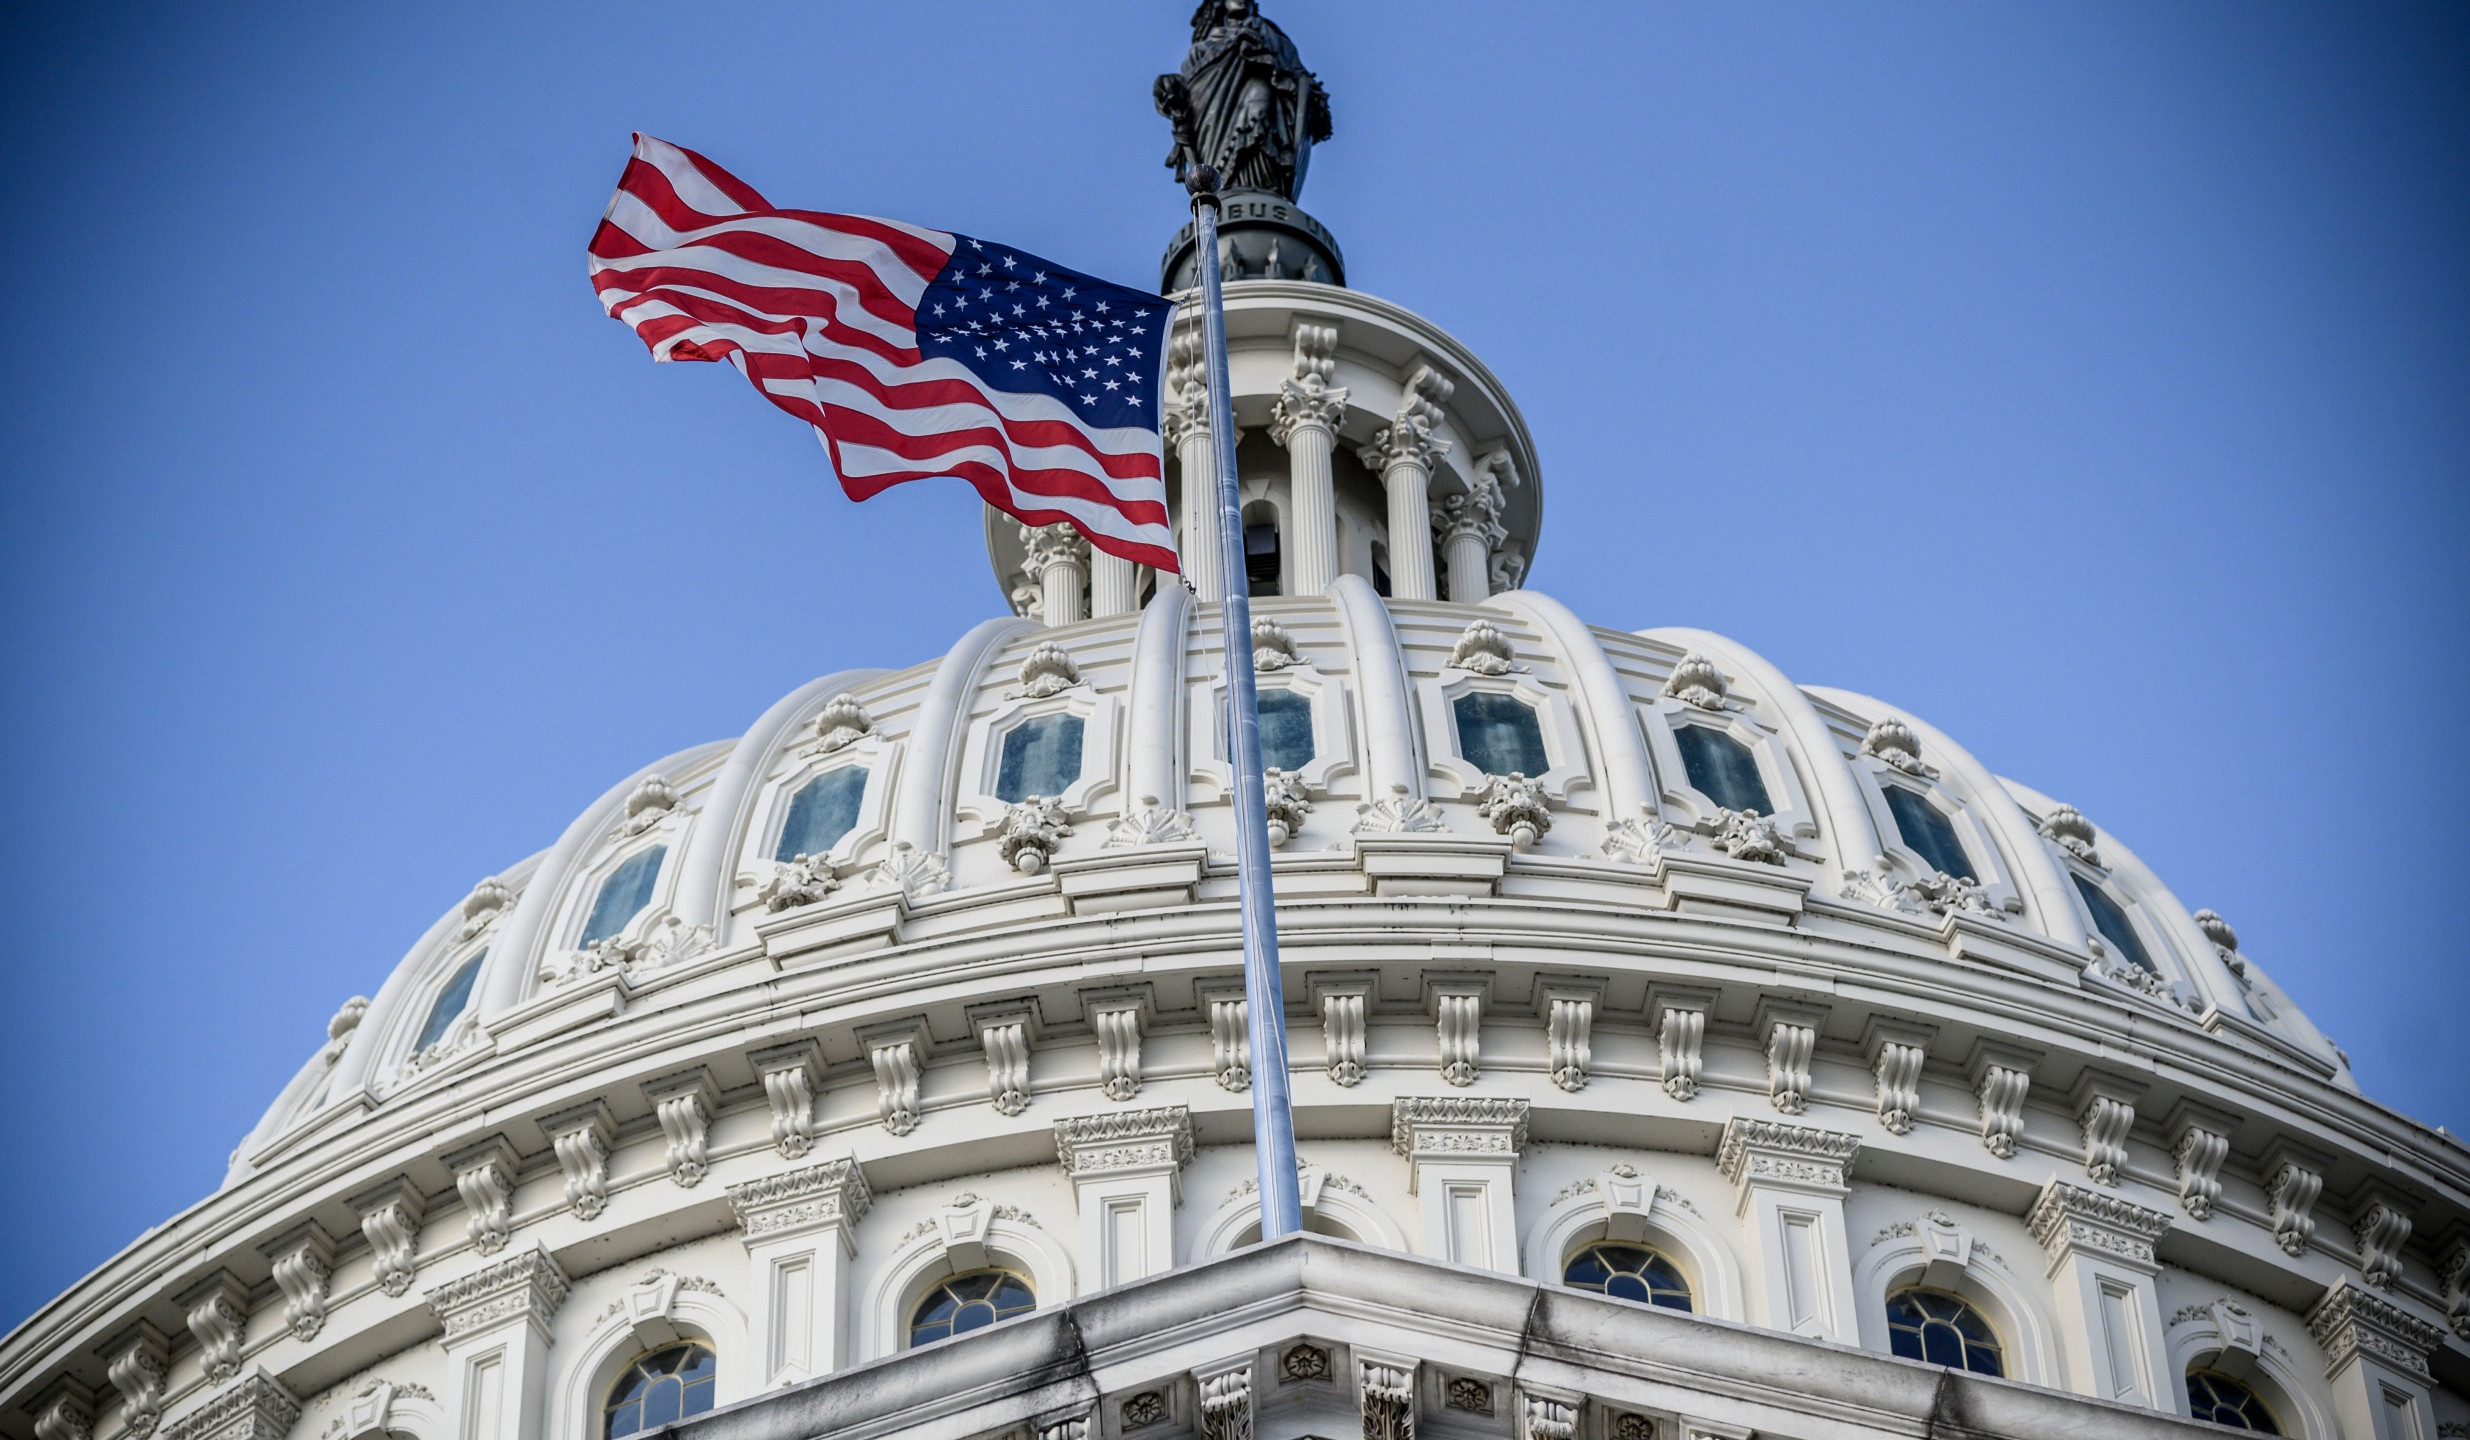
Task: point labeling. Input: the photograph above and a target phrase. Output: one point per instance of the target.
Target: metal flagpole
(1273, 1116)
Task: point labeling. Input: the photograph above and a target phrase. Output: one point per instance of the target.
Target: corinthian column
(1305, 420)
(1403, 453)
(1059, 557)
(1187, 429)
(1470, 525)
(1114, 585)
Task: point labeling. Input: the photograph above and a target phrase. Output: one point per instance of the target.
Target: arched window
(823, 810)
(1929, 833)
(450, 1004)
(2214, 1396)
(970, 1302)
(1628, 1272)
(2112, 922)
(664, 1386)
(1499, 734)
(624, 894)
(1943, 1329)
(1041, 756)
(1722, 768)
(1286, 729)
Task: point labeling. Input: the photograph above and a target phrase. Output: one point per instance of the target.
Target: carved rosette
(489, 900)
(527, 1287)
(2066, 1218)
(915, 873)
(1748, 835)
(798, 881)
(1149, 823)
(1398, 813)
(1516, 806)
(833, 1192)
(1287, 805)
(1048, 671)
(1032, 829)
(651, 801)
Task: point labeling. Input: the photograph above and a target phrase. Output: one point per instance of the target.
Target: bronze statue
(1243, 102)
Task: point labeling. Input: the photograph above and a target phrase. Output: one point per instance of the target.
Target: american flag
(913, 352)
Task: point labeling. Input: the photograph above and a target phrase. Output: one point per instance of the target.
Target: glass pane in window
(624, 894)
(1499, 735)
(1286, 729)
(1722, 768)
(1628, 1272)
(969, 1302)
(1929, 833)
(1942, 1329)
(1041, 757)
(2224, 1401)
(450, 1003)
(822, 812)
(2113, 924)
(1262, 561)
(658, 1389)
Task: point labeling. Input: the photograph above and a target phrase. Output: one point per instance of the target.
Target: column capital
(258, 1408)
(529, 1286)
(1458, 1127)
(1154, 1141)
(2349, 1322)
(1054, 545)
(1308, 403)
(1473, 514)
(2066, 1219)
(831, 1193)
(1773, 1154)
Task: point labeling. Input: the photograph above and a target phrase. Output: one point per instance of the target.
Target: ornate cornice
(2066, 1218)
(258, 1408)
(833, 1192)
(2349, 1322)
(1770, 1152)
(1159, 1138)
(527, 1286)
(1442, 1126)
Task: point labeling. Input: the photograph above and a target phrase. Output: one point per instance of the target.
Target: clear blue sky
(2089, 379)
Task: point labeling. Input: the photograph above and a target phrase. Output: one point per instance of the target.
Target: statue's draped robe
(1251, 104)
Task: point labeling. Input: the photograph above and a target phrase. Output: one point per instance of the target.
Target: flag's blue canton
(1024, 324)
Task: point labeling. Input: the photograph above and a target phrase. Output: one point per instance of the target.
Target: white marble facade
(785, 1031)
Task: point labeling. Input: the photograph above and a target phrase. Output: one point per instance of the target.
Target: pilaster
(2376, 1357)
(2101, 1263)
(1462, 1152)
(1791, 1181)
(497, 1341)
(800, 1231)
(1126, 1168)
(258, 1408)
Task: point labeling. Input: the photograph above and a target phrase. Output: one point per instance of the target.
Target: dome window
(1286, 729)
(970, 1302)
(1929, 833)
(1722, 768)
(2111, 920)
(624, 894)
(824, 809)
(1628, 1272)
(1041, 756)
(1499, 734)
(659, 1389)
(2216, 1397)
(1942, 1329)
(450, 1004)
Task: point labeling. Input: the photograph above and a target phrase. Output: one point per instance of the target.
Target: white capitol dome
(1620, 968)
